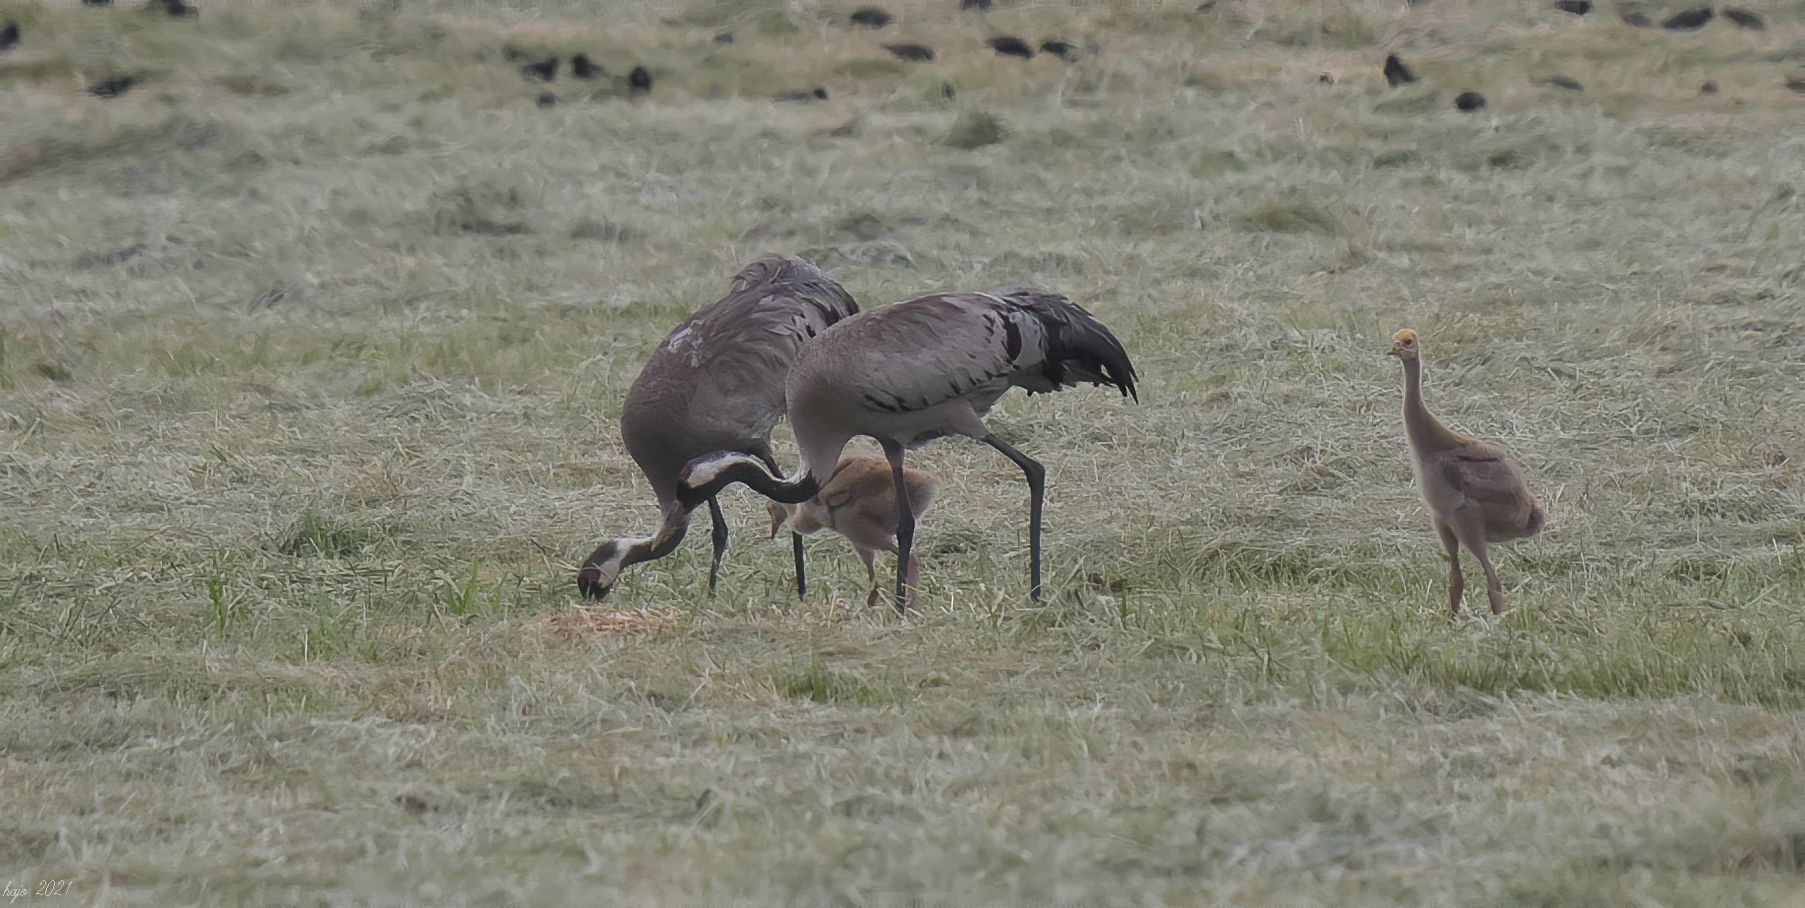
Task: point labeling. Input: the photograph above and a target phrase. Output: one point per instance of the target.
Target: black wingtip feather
(1079, 348)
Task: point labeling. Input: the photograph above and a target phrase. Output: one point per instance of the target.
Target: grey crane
(716, 384)
(918, 370)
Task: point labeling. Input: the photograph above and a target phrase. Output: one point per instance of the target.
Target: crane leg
(905, 524)
(1494, 589)
(720, 543)
(1037, 492)
(869, 557)
(801, 578)
(1457, 585)
(795, 537)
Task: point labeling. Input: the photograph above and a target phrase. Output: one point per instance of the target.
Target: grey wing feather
(776, 304)
(750, 336)
(933, 349)
(1075, 347)
(716, 381)
(1487, 478)
(976, 346)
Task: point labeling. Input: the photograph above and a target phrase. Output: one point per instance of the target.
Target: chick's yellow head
(1403, 344)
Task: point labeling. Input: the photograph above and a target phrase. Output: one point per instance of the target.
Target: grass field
(312, 345)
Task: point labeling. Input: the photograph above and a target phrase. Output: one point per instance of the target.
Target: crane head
(1403, 345)
(597, 577)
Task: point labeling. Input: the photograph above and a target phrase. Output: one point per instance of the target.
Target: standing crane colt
(859, 503)
(716, 384)
(1475, 494)
(917, 370)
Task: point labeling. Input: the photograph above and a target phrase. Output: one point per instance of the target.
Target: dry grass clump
(597, 621)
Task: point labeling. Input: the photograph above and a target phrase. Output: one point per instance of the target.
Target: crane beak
(590, 585)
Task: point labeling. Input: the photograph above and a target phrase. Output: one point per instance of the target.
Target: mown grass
(311, 349)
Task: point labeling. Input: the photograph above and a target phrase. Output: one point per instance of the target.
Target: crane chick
(1475, 494)
(859, 503)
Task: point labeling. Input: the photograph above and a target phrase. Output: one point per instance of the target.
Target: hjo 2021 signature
(45, 889)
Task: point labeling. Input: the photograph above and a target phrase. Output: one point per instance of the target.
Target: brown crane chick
(859, 503)
(1475, 494)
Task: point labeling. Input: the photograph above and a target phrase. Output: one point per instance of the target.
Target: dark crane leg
(905, 524)
(720, 542)
(795, 537)
(1037, 491)
(801, 580)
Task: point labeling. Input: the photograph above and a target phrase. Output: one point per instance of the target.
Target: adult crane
(918, 370)
(716, 383)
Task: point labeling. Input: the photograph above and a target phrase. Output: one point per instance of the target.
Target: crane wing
(1484, 475)
(928, 350)
(932, 349)
(1074, 347)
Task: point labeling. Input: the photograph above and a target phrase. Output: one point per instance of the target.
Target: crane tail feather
(1078, 347)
